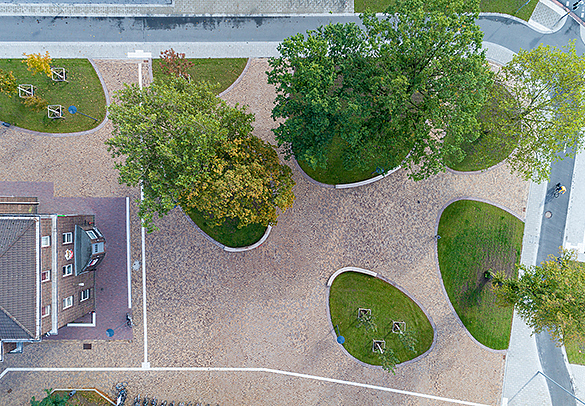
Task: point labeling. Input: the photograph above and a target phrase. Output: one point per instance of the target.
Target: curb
(403, 291)
(438, 268)
(237, 80)
(526, 23)
(225, 247)
(86, 132)
(343, 185)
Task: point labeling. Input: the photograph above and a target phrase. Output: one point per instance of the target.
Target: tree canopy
(391, 90)
(547, 108)
(550, 296)
(188, 147)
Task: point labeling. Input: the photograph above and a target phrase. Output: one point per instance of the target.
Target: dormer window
(97, 248)
(91, 234)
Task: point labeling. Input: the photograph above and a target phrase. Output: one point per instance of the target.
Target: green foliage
(550, 296)
(399, 85)
(188, 147)
(50, 400)
(367, 321)
(35, 103)
(477, 237)
(8, 83)
(38, 63)
(388, 360)
(409, 340)
(491, 146)
(547, 108)
(173, 63)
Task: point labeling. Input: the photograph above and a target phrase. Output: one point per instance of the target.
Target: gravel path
(268, 307)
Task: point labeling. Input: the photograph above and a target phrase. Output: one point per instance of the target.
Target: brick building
(47, 270)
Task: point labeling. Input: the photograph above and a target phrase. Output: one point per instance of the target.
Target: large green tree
(397, 86)
(188, 147)
(545, 114)
(550, 296)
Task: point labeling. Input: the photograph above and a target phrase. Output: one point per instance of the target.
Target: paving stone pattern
(177, 8)
(268, 307)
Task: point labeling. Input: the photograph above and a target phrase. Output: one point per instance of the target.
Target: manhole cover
(548, 214)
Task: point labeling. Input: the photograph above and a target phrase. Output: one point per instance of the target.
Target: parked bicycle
(121, 394)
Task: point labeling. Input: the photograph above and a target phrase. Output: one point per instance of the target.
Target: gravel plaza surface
(266, 308)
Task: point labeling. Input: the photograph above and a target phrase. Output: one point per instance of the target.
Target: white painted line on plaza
(128, 268)
(267, 370)
(145, 363)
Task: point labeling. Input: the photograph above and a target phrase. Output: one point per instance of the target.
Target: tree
(174, 63)
(50, 400)
(8, 83)
(398, 86)
(550, 296)
(547, 108)
(245, 180)
(186, 146)
(38, 63)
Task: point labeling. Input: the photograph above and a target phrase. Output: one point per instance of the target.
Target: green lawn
(220, 70)
(85, 398)
(82, 90)
(228, 233)
(352, 290)
(335, 174)
(477, 237)
(494, 6)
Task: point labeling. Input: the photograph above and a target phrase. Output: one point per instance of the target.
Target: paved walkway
(268, 307)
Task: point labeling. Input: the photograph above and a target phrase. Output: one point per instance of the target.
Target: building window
(46, 275)
(98, 248)
(46, 241)
(67, 238)
(45, 311)
(68, 270)
(93, 262)
(91, 234)
(84, 295)
(67, 302)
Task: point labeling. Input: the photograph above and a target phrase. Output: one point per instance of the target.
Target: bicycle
(129, 321)
(122, 393)
(559, 190)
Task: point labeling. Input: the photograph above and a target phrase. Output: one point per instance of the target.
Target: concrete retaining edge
(343, 185)
(405, 292)
(222, 246)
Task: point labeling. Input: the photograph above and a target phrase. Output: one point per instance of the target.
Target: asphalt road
(507, 32)
(551, 238)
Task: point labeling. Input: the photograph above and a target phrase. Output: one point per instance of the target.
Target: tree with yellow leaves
(38, 63)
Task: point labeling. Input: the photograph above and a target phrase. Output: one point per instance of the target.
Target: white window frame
(81, 295)
(68, 270)
(90, 235)
(68, 302)
(47, 272)
(45, 241)
(47, 312)
(93, 262)
(67, 238)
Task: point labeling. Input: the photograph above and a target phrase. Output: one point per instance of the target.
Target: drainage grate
(87, 346)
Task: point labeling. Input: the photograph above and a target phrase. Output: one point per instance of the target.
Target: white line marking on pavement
(267, 370)
(145, 363)
(129, 270)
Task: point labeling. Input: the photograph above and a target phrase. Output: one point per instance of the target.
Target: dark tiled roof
(10, 330)
(18, 274)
